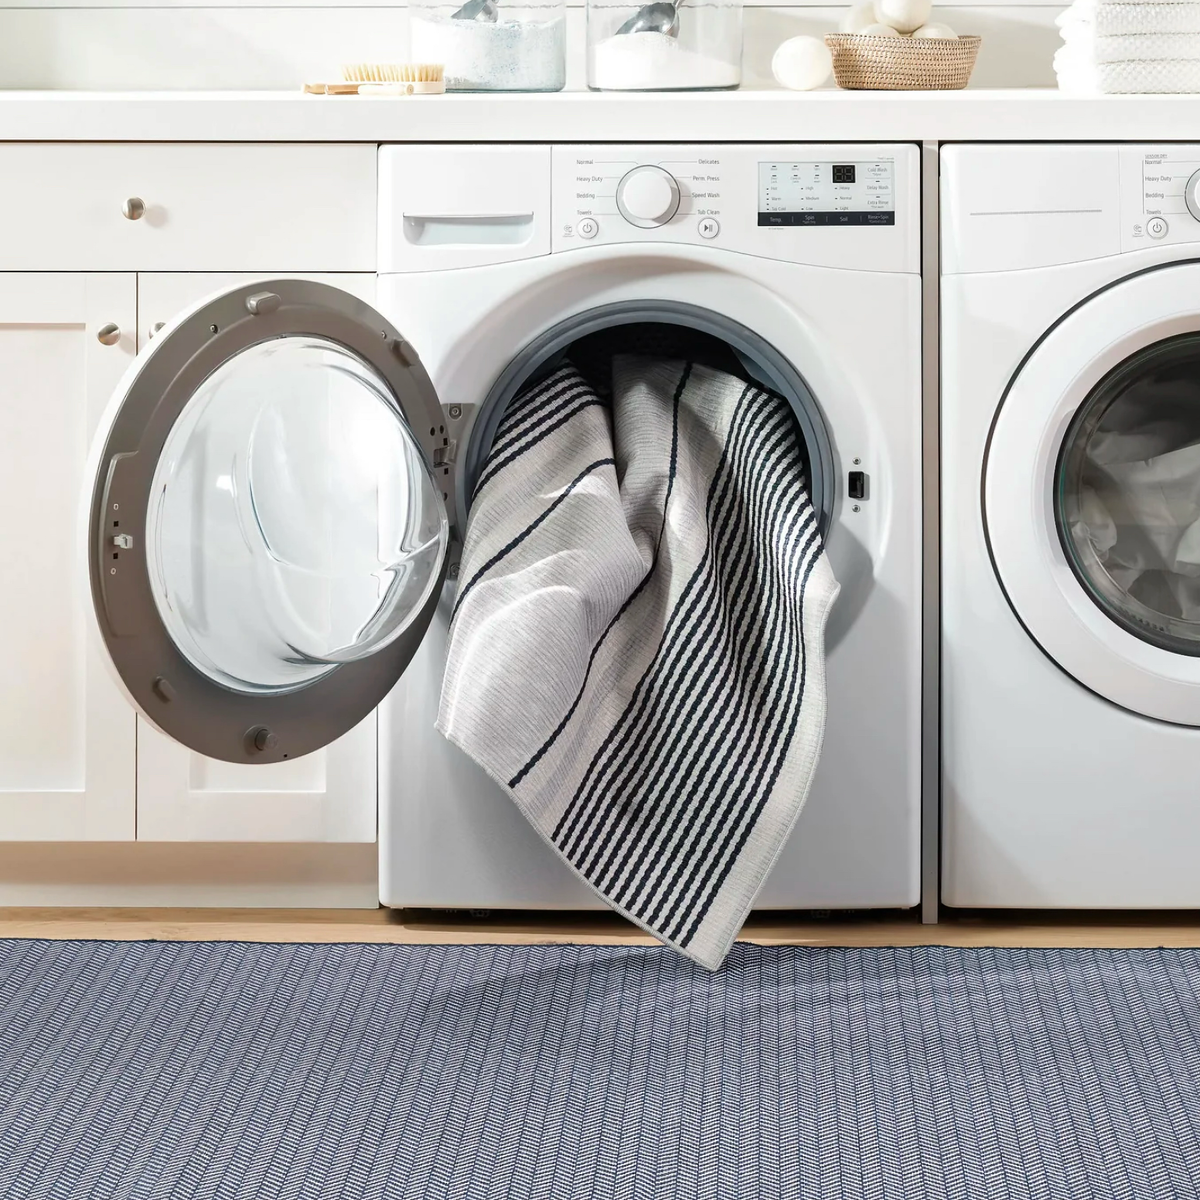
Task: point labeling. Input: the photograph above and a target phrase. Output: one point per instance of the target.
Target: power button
(1156, 227)
(587, 228)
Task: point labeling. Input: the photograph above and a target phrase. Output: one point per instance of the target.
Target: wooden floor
(385, 925)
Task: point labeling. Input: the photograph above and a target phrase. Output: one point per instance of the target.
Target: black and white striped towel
(637, 652)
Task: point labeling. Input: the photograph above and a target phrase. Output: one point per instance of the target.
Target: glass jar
(664, 46)
(492, 46)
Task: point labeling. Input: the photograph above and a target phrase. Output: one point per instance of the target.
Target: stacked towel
(1122, 46)
(637, 652)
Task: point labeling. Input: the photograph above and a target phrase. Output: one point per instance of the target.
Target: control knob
(1191, 194)
(648, 197)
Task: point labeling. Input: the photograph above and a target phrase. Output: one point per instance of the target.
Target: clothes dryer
(1071, 518)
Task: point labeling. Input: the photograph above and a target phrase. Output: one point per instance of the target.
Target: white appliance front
(806, 260)
(1070, 673)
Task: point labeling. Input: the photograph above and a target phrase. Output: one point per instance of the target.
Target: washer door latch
(446, 454)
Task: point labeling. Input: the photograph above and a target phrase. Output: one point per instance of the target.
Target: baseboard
(175, 874)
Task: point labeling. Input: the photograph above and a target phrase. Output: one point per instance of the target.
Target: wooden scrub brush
(396, 79)
(385, 79)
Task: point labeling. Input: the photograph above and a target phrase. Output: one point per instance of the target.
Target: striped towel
(637, 650)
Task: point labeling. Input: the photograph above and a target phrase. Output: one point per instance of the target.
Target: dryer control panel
(849, 206)
(1160, 195)
(1016, 207)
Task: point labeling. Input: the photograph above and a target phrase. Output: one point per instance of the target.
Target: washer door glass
(268, 526)
(293, 525)
(1127, 495)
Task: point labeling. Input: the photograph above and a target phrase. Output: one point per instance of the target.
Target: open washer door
(266, 536)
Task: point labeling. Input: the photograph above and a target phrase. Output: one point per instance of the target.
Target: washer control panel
(827, 193)
(610, 193)
(826, 205)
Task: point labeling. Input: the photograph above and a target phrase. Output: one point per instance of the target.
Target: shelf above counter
(1025, 115)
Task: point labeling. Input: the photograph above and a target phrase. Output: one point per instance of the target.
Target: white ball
(934, 30)
(802, 63)
(858, 18)
(903, 15)
(879, 31)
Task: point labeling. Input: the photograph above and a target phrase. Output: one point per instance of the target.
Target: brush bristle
(393, 72)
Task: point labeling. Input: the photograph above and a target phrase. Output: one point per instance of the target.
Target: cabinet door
(67, 735)
(326, 796)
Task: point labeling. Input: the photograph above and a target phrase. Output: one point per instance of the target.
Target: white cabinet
(76, 763)
(66, 732)
(327, 796)
(267, 208)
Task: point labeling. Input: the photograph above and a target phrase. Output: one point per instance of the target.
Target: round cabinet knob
(648, 197)
(108, 335)
(134, 208)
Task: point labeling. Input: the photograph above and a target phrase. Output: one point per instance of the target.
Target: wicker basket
(902, 63)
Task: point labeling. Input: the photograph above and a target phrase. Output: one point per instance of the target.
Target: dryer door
(266, 539)
(1092, 493)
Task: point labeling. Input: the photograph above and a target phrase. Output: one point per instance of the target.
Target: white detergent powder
(501, 56)
(638, 62)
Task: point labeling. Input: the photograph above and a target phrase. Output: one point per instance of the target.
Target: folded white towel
(1139, 47)
(1081, 76)
(1131, 17)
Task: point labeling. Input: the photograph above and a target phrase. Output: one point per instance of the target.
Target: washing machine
(1071, 498)
(281, 483)
(801, 260)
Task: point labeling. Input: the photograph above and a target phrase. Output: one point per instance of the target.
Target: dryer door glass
(267, 532)
(1127, 495)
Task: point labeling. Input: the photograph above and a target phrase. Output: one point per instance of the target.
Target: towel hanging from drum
(637, 649)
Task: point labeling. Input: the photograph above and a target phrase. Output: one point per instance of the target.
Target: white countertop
(748, 115)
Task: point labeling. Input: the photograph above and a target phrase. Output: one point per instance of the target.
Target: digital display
(826, 193)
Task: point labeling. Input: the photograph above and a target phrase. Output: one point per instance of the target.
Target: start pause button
(708, 228)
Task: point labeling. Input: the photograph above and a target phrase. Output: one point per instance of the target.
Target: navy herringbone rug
(259, 1071)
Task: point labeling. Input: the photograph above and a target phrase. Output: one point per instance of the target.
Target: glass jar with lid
(491, 45)
(664, 45)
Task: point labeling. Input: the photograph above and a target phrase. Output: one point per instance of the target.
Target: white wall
(276, 44)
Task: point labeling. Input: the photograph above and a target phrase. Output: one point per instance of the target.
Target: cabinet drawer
(206, 207)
